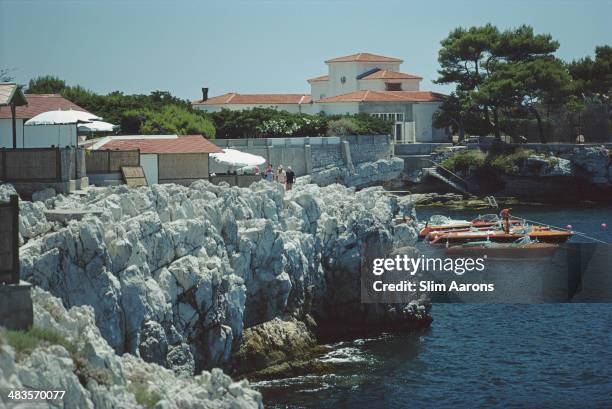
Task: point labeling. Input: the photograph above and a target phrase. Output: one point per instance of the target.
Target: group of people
(282, 176)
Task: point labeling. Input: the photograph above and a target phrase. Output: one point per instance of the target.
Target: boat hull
(498, 236)
(505, 252)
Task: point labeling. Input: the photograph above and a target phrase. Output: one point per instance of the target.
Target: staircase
(448, 177)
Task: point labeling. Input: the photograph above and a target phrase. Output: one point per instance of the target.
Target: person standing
(280, 175)
(505, 214)
(270, 173)
(290, 178)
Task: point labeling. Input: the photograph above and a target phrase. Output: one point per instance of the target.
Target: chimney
(204, 94)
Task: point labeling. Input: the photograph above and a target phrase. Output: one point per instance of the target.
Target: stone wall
(326, 155)
(306, 154)
(369, 148)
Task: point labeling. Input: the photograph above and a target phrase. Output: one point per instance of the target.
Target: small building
(165, 158)
(41, 136)
(357, 83)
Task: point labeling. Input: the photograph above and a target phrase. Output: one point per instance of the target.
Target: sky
(259, 46)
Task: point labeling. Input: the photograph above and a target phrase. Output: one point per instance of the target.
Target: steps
(447, 177)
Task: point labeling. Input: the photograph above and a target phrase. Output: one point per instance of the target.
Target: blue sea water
(475, 355)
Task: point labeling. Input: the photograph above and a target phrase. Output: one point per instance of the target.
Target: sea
(541, 355)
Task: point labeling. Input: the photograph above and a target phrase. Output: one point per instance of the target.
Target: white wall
(336, 72)
(319, 88)
(45, 136)
(149, 165)
(6, 133)
(39, 136)
(423, 113)
(340, 108)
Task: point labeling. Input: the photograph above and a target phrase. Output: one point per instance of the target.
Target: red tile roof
(365, 57)
(39, 103)
(385, 96)
(321, 78)
(272, 99)
(182, 144)
(394, 75)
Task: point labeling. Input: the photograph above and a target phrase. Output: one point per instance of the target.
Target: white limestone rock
(204, 262)
(94, 377)
(43, 195)
(365, 174)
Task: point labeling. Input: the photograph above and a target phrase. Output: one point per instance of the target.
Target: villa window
(393, 86)
(392, 116)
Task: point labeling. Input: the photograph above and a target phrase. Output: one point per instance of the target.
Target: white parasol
(236, 158)
(96, 126)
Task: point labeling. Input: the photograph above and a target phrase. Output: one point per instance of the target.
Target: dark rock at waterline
(278, 341)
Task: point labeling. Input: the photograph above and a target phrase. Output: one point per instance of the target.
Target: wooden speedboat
(523, 248)
(541, 234)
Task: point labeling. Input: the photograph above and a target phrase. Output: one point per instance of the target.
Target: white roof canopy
(96, 126)
(236, 158)
(60, 117)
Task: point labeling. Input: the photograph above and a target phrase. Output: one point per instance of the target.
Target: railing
(450, 178)
(9, 241)
(110, 161)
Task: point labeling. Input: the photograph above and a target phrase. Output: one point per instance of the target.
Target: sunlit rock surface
(84, 366)
(175, 274)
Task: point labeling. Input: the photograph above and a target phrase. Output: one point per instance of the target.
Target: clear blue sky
(259, 46)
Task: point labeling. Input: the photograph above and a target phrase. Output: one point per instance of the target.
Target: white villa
(355, 83)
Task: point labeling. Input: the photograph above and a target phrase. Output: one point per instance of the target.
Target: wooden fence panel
(110, 161)
(9, 241)
(30, 164)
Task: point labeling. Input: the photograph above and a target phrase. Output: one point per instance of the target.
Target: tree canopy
(500, 77)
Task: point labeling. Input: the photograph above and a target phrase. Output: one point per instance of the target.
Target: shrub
(504, 162)
(465, 161)
(24, 342)
(341, 126)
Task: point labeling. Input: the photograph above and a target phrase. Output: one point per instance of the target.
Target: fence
(235, 180)
(9, 241)
(40, 164)
(110, 161)
(307, 153)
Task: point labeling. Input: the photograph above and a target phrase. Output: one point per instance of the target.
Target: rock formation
(365, 174)
(76, 359)
(175, 274)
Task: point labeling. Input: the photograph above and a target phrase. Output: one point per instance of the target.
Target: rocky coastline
(571, 174)
(208, 276)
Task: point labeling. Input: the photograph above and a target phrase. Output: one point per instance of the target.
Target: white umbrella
(60, 117)
(96, 126)
(236, 158)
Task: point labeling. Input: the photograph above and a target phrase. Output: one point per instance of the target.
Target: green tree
(46, 84)
(483, 64)
(459, 112)
(171, 119)
(593, 77)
